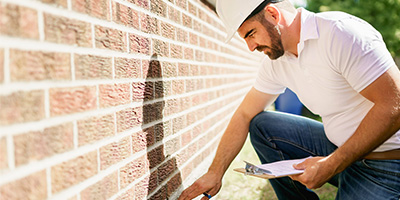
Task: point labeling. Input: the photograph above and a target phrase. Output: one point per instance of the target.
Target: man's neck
(291, 33)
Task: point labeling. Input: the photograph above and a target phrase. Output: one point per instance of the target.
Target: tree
(384, 15)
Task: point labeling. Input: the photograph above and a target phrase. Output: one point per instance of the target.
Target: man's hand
(209, 183)
(317, 171)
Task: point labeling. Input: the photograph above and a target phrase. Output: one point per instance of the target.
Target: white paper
(283, 168)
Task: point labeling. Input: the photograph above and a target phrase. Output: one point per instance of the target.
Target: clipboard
(263, 176)
(271, 170)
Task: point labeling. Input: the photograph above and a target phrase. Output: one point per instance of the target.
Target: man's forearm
(231, 143)
(379, 125)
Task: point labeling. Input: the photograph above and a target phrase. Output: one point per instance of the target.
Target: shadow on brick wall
(165, 177)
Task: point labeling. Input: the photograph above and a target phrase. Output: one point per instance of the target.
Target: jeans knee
(255, 123)
(265, 123)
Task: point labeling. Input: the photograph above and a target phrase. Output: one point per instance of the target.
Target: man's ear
(273, 12)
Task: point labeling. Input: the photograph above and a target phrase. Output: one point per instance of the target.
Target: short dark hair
(260, 8)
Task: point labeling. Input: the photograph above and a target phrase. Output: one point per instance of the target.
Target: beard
(275, 50)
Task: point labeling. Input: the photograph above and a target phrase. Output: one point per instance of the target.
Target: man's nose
(251, 45)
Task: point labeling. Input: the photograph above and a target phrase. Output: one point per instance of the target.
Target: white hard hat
(233, 13)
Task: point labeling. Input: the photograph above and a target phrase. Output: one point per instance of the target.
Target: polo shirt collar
(309, 28)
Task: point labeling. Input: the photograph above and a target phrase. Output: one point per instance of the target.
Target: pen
(207, 195)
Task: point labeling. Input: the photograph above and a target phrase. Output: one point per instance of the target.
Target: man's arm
(381, 122)
(231, 143)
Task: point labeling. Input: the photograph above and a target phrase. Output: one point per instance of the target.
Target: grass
(237, 186)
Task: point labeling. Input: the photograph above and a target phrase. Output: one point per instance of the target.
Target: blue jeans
(278, 136)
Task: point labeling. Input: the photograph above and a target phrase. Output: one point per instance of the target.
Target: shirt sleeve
(266, 82)
(358, 52)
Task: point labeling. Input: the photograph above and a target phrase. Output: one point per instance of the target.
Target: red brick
(62, 3)
(156, 156)
(152, 112)
(193, 9)
(174, 14)
(152, 69)
(168, 30)
(1, 65)
(36, 65)
(96, 8)
(95, 129)
(18, 21)
(160, 194)
(171, 107)
(158, 7)
(142, 189)
(169, 70)
(192, 149)
(199, 55)
(92, 67)
(186, 138)
(22, 107)
(179, 123)
(142, 139)
(183, 69)
(33, 186)
(112, 39)
(139, 44)
(138, 91)
(3, 154)
(115, 152)
(191, 118)
(182, 157)
(202, 41)
(67, 31)
(141, 3)
(194, 70)
(185, 103)
(73, 171)
(181, 3)
(103, 189)
(125, 15)
(127, 68)
(163, 129)
(160, 48)
(187, 20)
(129, 118)
(148, 91)
(153, 181)
(174, 183)
(178, 86)
(149, 24)
(34, 146)
(72, 100)
(197, 26)
(114, 94)
(182, 35)
(166, 169)
(150, 136)
(133, 171)
(159, 89)
(193, 38)
(127, 195)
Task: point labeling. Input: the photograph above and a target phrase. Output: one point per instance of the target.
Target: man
(340, 68)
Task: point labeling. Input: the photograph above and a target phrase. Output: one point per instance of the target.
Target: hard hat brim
(229, 36)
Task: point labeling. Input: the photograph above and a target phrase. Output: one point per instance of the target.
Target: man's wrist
(216, 171)
(338, 161)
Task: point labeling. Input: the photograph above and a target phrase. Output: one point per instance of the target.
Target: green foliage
(384, 15)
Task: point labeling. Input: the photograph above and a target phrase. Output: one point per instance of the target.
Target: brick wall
(113, 99)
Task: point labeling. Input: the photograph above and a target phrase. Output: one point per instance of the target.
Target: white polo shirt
(339, 56)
